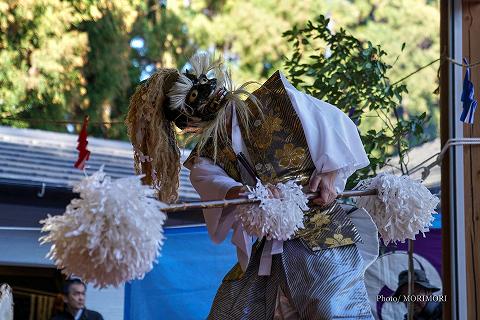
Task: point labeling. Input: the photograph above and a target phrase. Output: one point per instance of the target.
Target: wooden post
(445, 168)
(411, 279)
(471, 50)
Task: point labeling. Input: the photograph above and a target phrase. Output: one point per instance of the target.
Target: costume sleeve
(332, 138)
(212, 183)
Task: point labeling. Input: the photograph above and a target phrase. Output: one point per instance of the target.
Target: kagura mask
(195, 98)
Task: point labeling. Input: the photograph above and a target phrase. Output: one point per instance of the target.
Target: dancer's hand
(242, 191)
(273, 191)
(324, 184)
(236, 192)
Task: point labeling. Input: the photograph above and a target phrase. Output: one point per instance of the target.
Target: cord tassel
(468, 98)
(84, 153)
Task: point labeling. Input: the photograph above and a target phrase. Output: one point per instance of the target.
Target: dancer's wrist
(235, 192)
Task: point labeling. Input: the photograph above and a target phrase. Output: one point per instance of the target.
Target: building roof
(415, 158)
(34, 157)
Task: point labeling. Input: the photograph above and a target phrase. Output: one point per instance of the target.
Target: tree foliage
(64, 59)
(340, 69)
(41, 58)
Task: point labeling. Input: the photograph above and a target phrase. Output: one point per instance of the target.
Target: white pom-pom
(273, 218)
(6, 302)
(402, 208)
(111, 234)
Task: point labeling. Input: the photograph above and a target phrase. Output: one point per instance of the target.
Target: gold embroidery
(290, 156)
(264, 143)
(235, 273)
(338, 240)
(320, 220)
(328, 223)
(266, 131)
(226, 158)
(228, 153)
(272, 124)
(279, 152)
(266, 172)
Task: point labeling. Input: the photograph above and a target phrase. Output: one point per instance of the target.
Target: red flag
(83, 154)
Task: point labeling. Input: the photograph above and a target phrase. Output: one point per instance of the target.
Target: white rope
(439, 156)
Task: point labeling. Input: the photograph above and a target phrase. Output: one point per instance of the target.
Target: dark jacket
(86, 315)
(431, 311)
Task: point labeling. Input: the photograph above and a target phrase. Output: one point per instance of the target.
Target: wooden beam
(445, 168)
(471, 50)
(28, 271)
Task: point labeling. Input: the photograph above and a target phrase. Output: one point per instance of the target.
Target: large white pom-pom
(111, 234)
(274, 218)
(6, 302)
(402, 208)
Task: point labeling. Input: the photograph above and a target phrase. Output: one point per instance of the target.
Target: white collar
(79, 314)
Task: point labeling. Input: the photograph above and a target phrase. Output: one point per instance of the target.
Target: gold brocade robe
(279, 152)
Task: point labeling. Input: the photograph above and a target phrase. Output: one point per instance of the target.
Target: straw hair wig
(165, 101)
(156, 153)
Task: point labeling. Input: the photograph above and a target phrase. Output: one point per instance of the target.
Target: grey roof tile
(415, 157)
(29, 156)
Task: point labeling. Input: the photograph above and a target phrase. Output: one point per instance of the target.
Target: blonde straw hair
(156, 153)
(217, 128)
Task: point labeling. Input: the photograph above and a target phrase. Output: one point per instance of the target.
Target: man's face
(76, 296)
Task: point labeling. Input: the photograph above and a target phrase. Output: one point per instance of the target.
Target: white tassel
(201, 63)
(402, 208)
(6, 302)
(111, 234)
(179, 91)
(273, 218)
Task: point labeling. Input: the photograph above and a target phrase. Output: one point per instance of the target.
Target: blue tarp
(437, 223)
(183, 283)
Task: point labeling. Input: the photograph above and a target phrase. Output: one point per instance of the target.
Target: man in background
(424, 307)
(74, 299)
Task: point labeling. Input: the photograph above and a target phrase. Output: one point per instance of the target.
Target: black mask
(198, 102)
(200, 92)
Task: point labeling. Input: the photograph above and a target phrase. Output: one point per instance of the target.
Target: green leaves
(40, 58)
(349, 74)
(60, 60)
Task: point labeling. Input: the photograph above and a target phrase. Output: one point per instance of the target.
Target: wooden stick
(225, 203)
(411, 280)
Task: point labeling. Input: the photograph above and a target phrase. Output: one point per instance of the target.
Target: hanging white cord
(439, 156)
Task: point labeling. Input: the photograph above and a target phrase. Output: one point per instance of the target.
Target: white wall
(20, 247)
(109, 301)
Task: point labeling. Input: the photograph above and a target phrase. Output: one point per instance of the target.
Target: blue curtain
(183, 283)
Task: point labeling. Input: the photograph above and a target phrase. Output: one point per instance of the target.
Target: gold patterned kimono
(279, 152)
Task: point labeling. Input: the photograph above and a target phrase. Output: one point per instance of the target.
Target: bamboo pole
(411, 279)
(225, 203)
